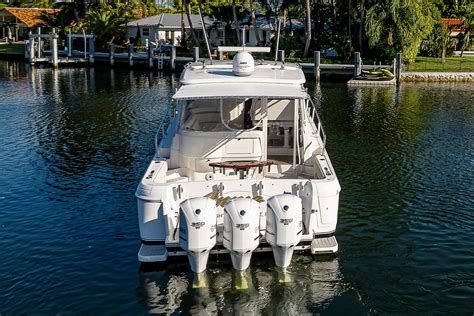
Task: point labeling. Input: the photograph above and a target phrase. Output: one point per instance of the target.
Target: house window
(145, 32)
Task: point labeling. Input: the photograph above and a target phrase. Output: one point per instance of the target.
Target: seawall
(437, 76)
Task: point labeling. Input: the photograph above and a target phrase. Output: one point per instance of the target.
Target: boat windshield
(221, 114)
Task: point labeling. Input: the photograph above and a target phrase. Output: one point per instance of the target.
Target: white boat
(240, 167)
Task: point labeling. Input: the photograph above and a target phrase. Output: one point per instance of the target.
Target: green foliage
(399, 26)
(291, 46)
(106, 25)
(386, 27)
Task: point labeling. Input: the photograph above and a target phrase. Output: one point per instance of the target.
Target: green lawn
(452, 64)
(12, 48)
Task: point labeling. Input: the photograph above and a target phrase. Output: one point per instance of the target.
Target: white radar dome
(243, 64)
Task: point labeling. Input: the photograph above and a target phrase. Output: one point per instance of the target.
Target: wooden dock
(35, 54)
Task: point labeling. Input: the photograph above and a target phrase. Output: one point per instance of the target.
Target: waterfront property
(17, 22)
(73, 147)
(167, 28)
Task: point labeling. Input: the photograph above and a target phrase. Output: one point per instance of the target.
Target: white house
(167, 28)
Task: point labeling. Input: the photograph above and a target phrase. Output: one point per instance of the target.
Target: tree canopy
(376, 28)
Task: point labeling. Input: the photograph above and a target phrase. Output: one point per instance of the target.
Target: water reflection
(79, 126)
(315, 282)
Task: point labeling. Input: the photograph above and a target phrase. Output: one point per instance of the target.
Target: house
(166, 28)
(455, 25)
(266, 30)
(17, 22)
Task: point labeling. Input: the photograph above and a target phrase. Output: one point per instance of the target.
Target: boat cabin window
(216, 115)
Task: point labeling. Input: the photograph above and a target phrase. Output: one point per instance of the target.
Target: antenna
(278, 40)
(205, 34)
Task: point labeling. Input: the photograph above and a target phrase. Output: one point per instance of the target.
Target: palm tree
(105, 24)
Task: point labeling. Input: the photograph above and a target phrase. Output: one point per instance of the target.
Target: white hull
(257, 166)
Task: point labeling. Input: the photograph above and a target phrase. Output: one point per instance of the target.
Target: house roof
(264, 23)
(171, 20)
(29, 16)
(455, 24)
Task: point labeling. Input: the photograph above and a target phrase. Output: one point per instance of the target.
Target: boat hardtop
(240, 166)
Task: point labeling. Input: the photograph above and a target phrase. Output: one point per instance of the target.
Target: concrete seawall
(437, 76)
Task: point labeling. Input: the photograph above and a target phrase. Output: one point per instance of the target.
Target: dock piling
(27, 49)
(32, 48)
(357, 64)
(91, 49)
(69, 43)
(173, 57)
(150, 55)
(130, 54)
(317, 65)
(54, 48)
(281, 55)
(195, 54)
(398, 69)
(111, 53)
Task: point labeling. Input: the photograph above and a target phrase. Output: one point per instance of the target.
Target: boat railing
(170, 114)
(313, 114)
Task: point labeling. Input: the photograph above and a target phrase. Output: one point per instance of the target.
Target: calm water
(74, 144)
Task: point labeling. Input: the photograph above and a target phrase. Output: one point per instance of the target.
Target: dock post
(130, 55)
(39, 43)
(195, 54)
(91, 49)
(32, 49)
(54, 48)
(69, 44)
(317, 65)
(150, 55)
(398, 70)
(27, 49)
(111, 53)
(173, 57)
(357, 66)
(281, 55)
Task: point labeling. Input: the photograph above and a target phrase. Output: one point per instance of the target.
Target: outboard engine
(241, 230)
(284, 226)
(197, 230)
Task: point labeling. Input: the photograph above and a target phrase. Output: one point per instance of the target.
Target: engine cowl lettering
(242, 226)
(198, 225)
(286, 221)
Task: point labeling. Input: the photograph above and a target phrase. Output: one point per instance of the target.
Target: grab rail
(165, 121)
(313, 113)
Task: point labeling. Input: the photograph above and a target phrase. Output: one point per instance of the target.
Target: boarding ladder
(159, 60)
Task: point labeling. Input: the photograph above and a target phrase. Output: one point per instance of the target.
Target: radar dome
(243, 64)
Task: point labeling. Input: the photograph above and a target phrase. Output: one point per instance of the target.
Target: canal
(75, 142)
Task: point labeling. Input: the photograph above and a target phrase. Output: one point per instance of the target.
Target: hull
(159, 204)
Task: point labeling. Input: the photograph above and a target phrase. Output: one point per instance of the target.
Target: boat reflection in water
(313, 283)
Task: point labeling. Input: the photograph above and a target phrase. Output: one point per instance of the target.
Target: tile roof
(455, 24)
(29, 16)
